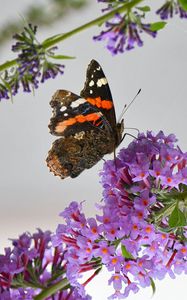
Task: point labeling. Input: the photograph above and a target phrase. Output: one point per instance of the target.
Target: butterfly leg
(123, 137)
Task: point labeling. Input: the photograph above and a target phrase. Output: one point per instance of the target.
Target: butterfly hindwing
(71, 155)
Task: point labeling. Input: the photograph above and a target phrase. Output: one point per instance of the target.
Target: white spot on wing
(91, 83)
(102, 81)
(63, 108)
(91, 92)
(65, 115)
(78, 102)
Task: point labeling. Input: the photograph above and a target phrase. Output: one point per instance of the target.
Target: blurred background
(30, 196)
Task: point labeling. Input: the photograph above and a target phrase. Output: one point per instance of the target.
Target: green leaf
(177, 218)
(144, 8)
(157, 26)
(126, 253)
(153, 285)
(61, 56)
(183, 4)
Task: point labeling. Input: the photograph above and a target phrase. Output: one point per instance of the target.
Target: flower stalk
(120, 9)
(48, 43)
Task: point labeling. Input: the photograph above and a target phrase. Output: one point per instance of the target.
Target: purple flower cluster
(171, 7)
(33, 65)
(33, 265)
(123, 33)
(132, 237)
(139, 234)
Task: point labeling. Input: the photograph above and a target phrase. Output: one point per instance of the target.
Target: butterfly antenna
(126, 107)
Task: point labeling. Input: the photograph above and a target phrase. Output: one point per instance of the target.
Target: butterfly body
(86, 125)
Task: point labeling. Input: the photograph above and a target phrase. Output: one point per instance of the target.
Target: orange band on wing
(61, 126)
(106, 104)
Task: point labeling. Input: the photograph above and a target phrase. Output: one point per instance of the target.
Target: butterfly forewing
(73, 114)
(97, 91)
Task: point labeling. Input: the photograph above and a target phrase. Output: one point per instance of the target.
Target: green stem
(52, 289)
(60, 37)
(127, 6)
(8, 64)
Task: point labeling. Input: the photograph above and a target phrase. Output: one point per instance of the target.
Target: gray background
(32, 197)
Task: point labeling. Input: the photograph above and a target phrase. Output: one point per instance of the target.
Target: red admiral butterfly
(86, 124)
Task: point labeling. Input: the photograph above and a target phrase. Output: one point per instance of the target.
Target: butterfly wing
(71, 155)
(73, 114)
(96, 90)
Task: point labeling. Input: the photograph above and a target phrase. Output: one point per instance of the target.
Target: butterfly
(86, 125)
